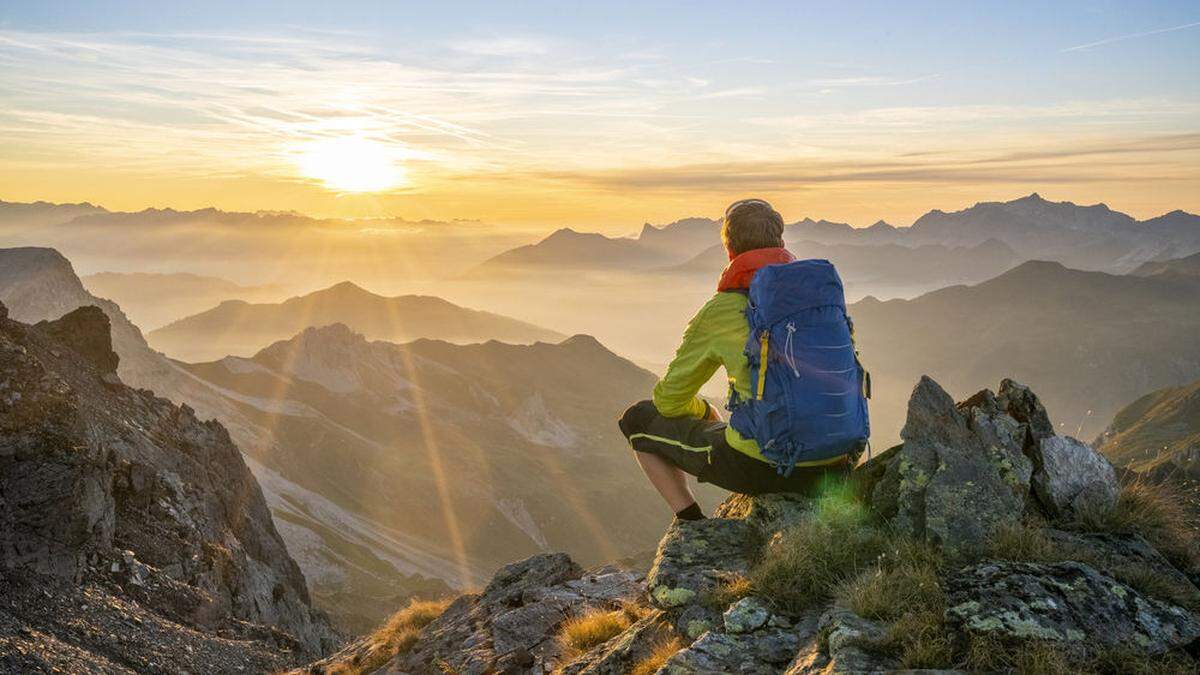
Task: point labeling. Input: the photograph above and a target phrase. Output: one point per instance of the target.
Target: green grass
(805, 564)
(841, 555)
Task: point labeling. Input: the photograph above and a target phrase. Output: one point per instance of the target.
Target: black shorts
(699, 448)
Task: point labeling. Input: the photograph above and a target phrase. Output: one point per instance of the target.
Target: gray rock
(536, 572)
(512, 626)
(846, 643)
(763, 652)
(768, 513)
(746, 615)
(1114, 554)
(695, 557)
(1069, 603)
(97, 477)
(959, 476)
(1072, 478)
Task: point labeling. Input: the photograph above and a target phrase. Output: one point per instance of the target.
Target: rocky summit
(133, 538)
(984, 543)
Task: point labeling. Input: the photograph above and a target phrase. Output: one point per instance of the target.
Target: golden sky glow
(535, 129)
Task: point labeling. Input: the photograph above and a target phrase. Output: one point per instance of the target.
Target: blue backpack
(808, 389)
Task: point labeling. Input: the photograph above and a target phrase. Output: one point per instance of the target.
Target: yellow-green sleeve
(693, 365)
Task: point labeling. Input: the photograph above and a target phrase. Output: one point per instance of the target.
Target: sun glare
(351, 164)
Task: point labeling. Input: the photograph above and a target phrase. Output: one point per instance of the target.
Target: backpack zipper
(763, 347)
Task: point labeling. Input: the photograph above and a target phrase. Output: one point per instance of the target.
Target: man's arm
(693, 365)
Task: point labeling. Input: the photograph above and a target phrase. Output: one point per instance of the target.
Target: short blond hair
(751, 224)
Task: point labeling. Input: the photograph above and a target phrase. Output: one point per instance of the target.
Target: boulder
(1115, 554)
(695, 557)
(767, 513)
(1069, 603)
(846, 643)
(87, 332)
(961, 472)
(746, 615)
(1072, 478)
(513, 624)
(765, 652)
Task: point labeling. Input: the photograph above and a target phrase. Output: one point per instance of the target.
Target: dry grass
(595, 627)
(655, 660)
(729, 592)
(397, 636)
(1157, 511)
(1030, 544)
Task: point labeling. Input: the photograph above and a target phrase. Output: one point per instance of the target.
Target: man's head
(751, 224)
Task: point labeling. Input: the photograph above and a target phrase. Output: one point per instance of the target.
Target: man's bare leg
(668, 479)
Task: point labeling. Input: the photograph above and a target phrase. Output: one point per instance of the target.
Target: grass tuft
(396, 636)
(1157, 511)
(655, 660)
(804, 565)
(595, 627)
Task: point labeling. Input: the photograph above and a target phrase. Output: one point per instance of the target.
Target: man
(677, 433)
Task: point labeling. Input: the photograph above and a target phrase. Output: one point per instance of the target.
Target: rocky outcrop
(1067, 603)
(117, 503)
(511, 625)
(1072, 479)
(964, 472)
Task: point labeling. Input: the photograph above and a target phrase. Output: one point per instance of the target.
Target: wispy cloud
(1129, 36)
(502, 46)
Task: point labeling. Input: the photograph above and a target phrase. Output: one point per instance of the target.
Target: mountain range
(465, 455)
(153, 300)
(237, 327)
(1089, 341)
(281, 247)
(1091, 237)
(908, 269)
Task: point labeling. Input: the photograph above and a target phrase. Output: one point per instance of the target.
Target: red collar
(742, 268)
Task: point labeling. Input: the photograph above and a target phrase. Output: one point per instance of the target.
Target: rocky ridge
(133, 538)
(1013, 523)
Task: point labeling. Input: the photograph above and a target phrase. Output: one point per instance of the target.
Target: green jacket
(715, 337)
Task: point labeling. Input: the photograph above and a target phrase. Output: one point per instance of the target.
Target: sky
(600, 115)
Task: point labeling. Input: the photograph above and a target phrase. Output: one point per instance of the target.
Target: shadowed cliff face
(132, 532)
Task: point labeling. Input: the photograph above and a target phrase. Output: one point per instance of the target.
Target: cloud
(1128, 36)
(502, 46)
(1067, 164)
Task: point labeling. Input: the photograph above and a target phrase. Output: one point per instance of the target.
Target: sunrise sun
(351, 164)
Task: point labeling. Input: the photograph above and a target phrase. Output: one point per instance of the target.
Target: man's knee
(637, 418)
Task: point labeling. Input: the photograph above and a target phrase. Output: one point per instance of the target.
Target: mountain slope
(241, 328)
(40, 284)
(1184, 267)
(478, 454)
(884, 266)
(153, 300)
(566, 249)
(133, 536)
(1088, 341)
(1162, 427)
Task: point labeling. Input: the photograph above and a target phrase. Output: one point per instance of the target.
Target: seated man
(678, 433)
